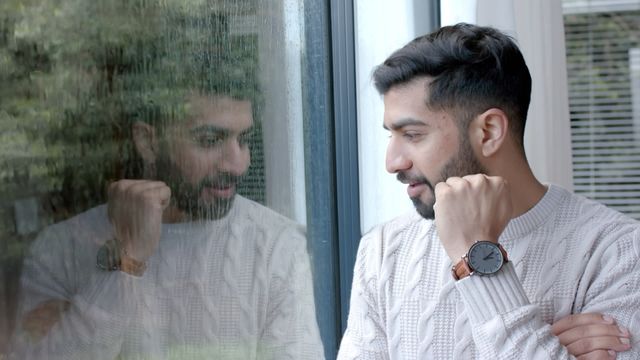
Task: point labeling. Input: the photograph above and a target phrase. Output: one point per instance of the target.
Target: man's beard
(186, 196)
(464, 163)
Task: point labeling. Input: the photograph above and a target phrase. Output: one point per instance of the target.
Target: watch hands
(488, 256)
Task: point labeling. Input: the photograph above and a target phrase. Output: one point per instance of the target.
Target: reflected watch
(483, 258)
(111, 258)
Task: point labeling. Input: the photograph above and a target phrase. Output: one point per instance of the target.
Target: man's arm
(591, 336)
(95, 313)
(505, 324)
(54, 323)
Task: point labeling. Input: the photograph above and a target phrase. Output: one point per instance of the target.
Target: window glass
(603, 57)
(152, 189)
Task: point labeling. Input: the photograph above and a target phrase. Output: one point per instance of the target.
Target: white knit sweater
(235, 288)
(568, 255)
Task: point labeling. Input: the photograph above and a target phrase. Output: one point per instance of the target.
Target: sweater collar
(537, 215)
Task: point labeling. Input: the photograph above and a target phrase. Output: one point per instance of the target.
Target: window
(603, 49)
(205, 96)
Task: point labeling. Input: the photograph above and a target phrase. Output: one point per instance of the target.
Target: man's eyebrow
(248, 130)
(208, 129)
(403, 123)
(212, 129)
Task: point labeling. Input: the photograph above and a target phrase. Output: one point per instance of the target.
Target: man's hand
(468, 209)
(135, 211)
(40, 320)
(591, 336)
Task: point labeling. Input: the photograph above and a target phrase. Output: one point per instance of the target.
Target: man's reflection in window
(176, 264)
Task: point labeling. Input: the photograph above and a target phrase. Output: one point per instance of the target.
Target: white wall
(381, 27)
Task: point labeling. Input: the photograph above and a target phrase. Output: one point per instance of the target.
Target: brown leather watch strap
(130, 265)
(462, 269)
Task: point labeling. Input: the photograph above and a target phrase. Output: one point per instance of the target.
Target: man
(186, 268)
(493, 256)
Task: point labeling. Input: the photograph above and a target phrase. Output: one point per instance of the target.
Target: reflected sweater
(567, 255)
(235, 288)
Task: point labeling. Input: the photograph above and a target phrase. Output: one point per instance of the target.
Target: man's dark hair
(196, 56)
(471, 69)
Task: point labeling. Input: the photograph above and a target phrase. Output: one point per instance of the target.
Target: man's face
(425, 147)
(203, 158)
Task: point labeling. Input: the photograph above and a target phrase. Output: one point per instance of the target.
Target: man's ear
(145, 141)
(489, 131)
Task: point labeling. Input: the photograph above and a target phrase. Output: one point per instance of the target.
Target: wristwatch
(483, 258)
(111, 258)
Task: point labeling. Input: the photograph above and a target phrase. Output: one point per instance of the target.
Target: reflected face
(425, 147)
(203, 158)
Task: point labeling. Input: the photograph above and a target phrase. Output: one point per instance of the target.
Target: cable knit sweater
(568, 255)
(235, 288)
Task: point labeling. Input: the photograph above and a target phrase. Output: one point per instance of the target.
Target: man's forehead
(404, 101)
(406, 105)
(209, 112)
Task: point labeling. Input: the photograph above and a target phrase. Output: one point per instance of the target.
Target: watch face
(485, 257)
(106, 260)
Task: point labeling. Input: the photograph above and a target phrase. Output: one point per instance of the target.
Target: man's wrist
(111, 257)
(484, 257)
(131, 266)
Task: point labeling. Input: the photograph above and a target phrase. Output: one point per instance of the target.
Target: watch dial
(485, 258)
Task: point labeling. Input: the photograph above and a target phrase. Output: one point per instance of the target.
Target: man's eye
(209, 141)
(244, 139)
(410, 136)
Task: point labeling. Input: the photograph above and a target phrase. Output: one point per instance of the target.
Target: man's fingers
(598, 355)
(127, 185)
(587, 345)
(122, 185)
(40, 320)
(586, 331)
(162, 193)
(576, 320)
(135, 190)
(456, 182)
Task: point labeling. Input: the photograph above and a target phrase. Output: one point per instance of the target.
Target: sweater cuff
(114, 293)
(486, 297)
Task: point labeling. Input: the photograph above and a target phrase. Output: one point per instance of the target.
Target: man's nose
(396, 158)
(235, 158)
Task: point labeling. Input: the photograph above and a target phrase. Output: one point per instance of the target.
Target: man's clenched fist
(135, 211)
(471, 208)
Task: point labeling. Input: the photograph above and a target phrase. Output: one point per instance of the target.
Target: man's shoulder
(88, 229)
(400, 223)
(385, 235)
(583, 210)
(94, 220)
(250, 212)
(593, 224)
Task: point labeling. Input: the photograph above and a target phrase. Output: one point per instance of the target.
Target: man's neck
(526, 190)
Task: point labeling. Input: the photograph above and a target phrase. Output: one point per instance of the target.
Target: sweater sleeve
(611, 285)
(92, 326)
(506, 325)
(291, 330)
(365, 337)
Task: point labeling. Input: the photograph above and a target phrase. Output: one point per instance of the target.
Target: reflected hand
(591, 336)
(471, 208)
(135, 211)
(40, 320)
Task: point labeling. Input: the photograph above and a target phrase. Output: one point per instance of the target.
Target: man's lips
(415, 189)
(219, 191)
